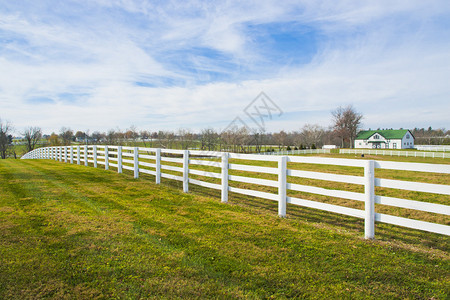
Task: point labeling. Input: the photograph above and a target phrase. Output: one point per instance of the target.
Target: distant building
(385, 139)
(329, 147)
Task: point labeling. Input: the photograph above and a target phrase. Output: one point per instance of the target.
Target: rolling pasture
(69, 231)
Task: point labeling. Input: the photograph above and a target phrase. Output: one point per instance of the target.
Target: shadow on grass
(318, 218)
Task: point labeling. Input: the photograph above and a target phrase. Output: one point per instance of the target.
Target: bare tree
(229, 139)
(32, 136)
(257, 138)
(244, 139)
(346, 122)
(281, 139)
(66, 135)
(111, 137)
(166, 139)
(209, 138)
(5, 144)
(97, 136)
(186, 138)
(311, 135)
(146, 137)
(132, 135)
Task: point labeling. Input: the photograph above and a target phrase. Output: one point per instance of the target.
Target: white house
(385, 139)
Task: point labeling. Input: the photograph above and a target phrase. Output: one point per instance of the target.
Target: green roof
(387, 134)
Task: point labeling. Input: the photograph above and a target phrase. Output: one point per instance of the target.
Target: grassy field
(74, 232)
(380, 173)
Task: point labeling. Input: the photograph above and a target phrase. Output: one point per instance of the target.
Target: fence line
(155, 161)
(395, 153)
(297, 152)
(433, 147)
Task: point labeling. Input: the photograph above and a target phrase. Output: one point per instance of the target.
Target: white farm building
(385, 139)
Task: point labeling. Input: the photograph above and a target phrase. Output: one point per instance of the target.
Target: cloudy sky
(157, 65)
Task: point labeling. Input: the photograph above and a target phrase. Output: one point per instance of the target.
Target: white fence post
(369, 192)
(136, 162)
(86, 155)
(158, 166)
(185, 171)
(95, 156)
(225, 177)
(60, 154)
(65, 154)
(106, 158)
(119, 159)
(71, 154)
(282, 167)
(78, 155)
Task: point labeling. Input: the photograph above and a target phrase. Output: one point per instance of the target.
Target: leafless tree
(258, 137)
(244, 139)
(209, 138)
(311, 135)
(111, 137)
(145, 137)
(166, 139)
(132, 135)
(281, 139)
(346, 122)
(5, 129)
(228, 139)
(97, 136)
(66, 135)
(186, 138)
(32, 136)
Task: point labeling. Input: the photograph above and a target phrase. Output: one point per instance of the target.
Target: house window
(376, 137)
(394, 146)
(407, 136)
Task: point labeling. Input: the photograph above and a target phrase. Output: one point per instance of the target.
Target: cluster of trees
(346, 123)
(431, 136)
(235, 139)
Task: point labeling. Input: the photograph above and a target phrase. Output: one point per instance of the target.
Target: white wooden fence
(297, 152)
(395, 153)
(155, 162)
(445, 148)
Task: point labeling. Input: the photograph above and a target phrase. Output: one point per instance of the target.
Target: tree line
(346, 123)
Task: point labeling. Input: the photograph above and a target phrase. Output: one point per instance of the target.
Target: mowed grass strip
(70, 231)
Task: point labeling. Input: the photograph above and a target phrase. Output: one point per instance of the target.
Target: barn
(385, 139)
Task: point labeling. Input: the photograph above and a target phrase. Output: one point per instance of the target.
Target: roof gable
(387, 134)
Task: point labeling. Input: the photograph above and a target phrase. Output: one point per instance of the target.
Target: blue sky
(166, 65)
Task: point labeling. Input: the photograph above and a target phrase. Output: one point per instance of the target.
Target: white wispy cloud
(107, 64)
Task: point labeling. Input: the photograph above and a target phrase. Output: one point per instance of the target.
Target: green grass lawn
(69, 231)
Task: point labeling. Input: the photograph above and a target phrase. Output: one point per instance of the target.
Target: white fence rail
(155, 161)
(395, 153)
(297, 152)
(433, 147)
